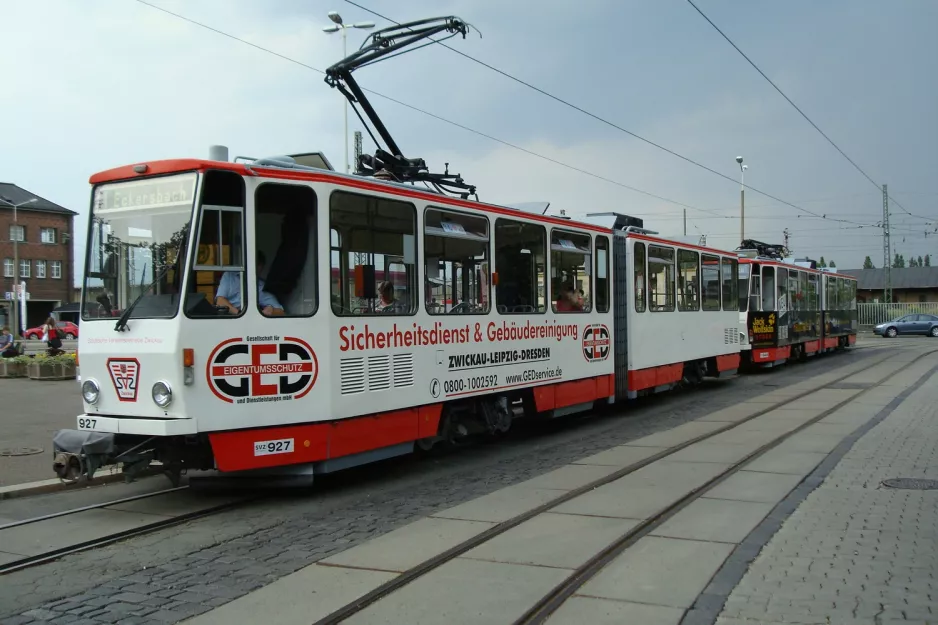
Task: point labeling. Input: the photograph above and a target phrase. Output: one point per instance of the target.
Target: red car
(66, 330)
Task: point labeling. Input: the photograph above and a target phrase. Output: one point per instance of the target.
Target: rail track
(542, 610)
(105, 539)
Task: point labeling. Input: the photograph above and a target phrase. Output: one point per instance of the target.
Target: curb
(55, 485)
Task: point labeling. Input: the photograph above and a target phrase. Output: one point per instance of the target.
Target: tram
(274, 317)
(794, 309)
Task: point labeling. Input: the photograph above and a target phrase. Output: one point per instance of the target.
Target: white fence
(873, 314)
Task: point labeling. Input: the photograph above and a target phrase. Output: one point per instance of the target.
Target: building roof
(17, 195)
(901, 278)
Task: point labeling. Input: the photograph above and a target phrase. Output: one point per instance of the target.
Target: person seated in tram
(229, 292)
(386, 296)
(567, 300)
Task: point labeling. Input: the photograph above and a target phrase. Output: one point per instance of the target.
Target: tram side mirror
(365, 285)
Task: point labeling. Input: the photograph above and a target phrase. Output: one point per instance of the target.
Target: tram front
(133, 366)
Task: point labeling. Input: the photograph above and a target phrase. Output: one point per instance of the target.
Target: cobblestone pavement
(856, 552)
(168, 576)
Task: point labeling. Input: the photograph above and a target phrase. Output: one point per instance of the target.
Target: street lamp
(742, 199)
(339, 25)
(16, 264)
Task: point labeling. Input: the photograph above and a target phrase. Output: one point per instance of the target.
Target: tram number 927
(267, 448)
(470, 384)
(85, 423)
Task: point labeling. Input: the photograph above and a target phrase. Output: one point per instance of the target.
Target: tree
(821, 262)
(898, 262)
(927, 261)
(920, 263)
(832, 265)
(868, 263)
(912, 262)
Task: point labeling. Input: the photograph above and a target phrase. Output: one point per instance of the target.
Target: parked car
(909, 324)
(66, 329)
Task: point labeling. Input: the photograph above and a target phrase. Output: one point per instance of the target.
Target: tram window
(768, 288)
(755, 291)
(830, 302)
(743, 270)
(803, 301)
(216, 287)
(710, 272)
(661, 278)
(688, 287)
(730, 286)
(520, 261)
(782, 304)
(285, 240)
(639, 258)
(793, 289)
(373, 254)
(456, 260)
(602, 274)
(812, 293)
(570, 263)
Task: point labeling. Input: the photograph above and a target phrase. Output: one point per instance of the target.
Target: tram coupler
(78, 454)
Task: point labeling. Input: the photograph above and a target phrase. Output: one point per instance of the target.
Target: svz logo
(125, 373)
(241, 371)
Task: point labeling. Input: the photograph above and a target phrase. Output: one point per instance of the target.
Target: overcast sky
(94, 84)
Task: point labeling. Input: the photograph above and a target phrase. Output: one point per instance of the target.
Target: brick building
(45, 234)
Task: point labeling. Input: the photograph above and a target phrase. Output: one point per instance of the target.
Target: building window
(56, 268)
(17, 233)
(7, 267)
(25, 266)
(47, 235)
(40, 269)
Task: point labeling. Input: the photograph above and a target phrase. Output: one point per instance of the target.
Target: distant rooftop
(13, 194)
(901, 278)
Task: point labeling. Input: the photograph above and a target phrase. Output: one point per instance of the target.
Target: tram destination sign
(153, 193)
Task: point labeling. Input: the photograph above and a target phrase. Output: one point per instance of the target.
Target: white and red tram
(389, 317)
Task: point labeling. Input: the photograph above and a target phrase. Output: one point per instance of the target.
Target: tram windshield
(138, 229)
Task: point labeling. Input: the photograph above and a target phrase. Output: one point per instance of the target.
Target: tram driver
(229, 292)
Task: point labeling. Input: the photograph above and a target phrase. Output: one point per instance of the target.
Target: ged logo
(596, 342)
(261, 369)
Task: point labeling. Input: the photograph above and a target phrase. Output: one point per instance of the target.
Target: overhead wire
(438, 117)
(603, 120)
(802, 113)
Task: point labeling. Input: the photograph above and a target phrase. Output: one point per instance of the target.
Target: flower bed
(61, 367)
(14, 367)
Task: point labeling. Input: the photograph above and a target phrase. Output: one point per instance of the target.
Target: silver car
(909, 324)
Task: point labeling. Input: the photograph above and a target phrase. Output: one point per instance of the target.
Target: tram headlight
(162, 394)
(90, 391)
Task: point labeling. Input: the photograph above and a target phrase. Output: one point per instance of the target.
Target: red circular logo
(247, 371)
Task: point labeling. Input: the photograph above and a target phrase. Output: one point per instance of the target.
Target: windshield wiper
(122, 322)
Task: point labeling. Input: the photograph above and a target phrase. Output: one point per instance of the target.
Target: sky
(94, 84)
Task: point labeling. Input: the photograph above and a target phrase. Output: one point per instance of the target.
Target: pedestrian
(50, 334)
(7, 344)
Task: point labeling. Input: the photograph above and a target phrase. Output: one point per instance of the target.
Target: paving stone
(852, 550)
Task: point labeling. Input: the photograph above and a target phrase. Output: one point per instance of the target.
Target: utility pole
(887, 250)
(685, 222)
